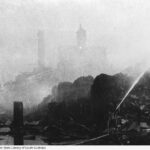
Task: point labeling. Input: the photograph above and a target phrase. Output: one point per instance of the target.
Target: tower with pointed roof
(81, 37)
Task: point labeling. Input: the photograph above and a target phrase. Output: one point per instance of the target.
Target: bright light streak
(130, 89)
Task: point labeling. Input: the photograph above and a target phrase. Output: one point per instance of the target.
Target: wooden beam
(18, 123)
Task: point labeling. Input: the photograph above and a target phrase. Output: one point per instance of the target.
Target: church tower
(41, 49)
(81, 37)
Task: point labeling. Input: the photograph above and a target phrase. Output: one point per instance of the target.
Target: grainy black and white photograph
(74, 72)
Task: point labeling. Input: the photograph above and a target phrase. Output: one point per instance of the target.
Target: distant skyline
(117, 25)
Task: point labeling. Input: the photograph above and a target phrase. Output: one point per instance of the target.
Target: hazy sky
(122, 26)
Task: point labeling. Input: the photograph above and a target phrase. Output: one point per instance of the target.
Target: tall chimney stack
(41, 49)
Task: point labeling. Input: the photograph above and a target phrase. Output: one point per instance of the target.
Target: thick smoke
(117, 38)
